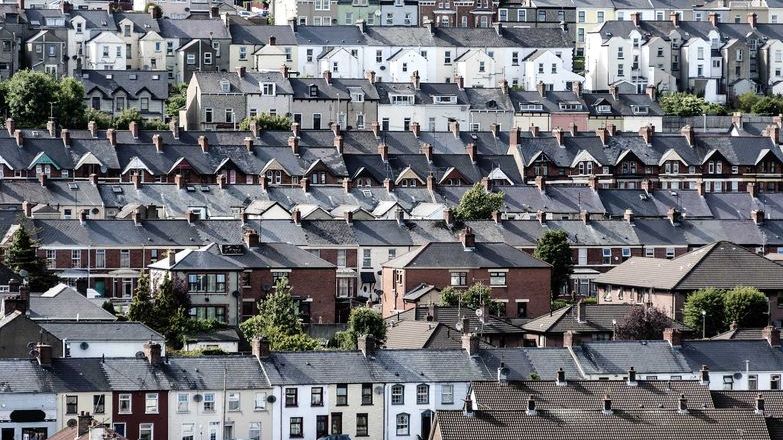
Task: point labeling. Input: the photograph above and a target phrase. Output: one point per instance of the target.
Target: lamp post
(704, 324)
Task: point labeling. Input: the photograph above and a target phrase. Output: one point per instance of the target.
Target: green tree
(141, 308)
(22, 254)
(29, 94)
(278, 321)
(362, 321)
(687, 104)
(474, 297)
(642, 323)
(478, 204)
(552, 246)
(267, 122)
(177, 99)
(70, 102)
(768, 105)
(123, 120)
(103, 119)
(711, 301)
(746, 101)
(746, 306)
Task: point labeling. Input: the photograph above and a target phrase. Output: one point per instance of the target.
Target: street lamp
(704, 324)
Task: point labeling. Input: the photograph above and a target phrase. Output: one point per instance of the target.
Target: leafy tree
(28, 96)
(70, 102)
(154, 124)
(553, 248)
(362, 321)
(474, 297)
(130, 114)
(687, 104)
(177, 99)
(141, 308)
(103, 119)
(22, 254)
(267, 122)
(710, 300)
(768, 105)
(746, 306)
(642, 323)
(478, 204)
(278, 321)
(746, 101)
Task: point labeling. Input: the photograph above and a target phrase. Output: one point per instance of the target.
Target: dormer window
(268, 89)
(640, 109)
(313, 90)
(225, 86)
(531, 107)
(570, 106)
(402, 99)
(444, 99)
(603, 108)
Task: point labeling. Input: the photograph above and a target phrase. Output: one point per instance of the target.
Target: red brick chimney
(133, 127)
(415, 129)
(689, 135)
(111, 135)
(338, 143)
(513, 136)
(251, 238)
(388, 185)
(771, 334)
(66, 137)
(470, 149)
(157, 140)
(646, 134)
(673, 336)
(152, 351)
(558, 134)
(426, 149)
(10, 125)
(602, 134)
(383, 151)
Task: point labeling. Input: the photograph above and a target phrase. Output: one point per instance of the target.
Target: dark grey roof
(597, 318)
(63, 302)
(97, 19)
(452, 255)
(616, 357)
(142, 21)
(266, 255)
(209, 372)
(187, 29)
(23, 376)
(731, 356)
(249, 83)
(101, 330)
(133, 82)
(259, 35)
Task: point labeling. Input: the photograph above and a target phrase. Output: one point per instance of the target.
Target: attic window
(445, 99)
(225, 86)
(116, 189)
(531, 107)
(366, 193)
(313, 90)
(155, 77)
(85, 75)
(204, 188)
(132, 76)
(640, 109)
(570, 106)
(190, 188)
(603, 108)
(73, 186)
(109, 76)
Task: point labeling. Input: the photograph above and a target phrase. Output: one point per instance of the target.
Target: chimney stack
(295, 129)
(204, 143)
(305, 184)
(259, 347)
(82, 216)
(636, 18)
(431, 183)
(752, 189)
(135, 180)
(757, 216)
(416, 80)
(328, 76)
(470, 342)
(348, 215)
(383, 151)
(673, 215)
(152, 351)
(221, 181)
(174, 127)
(192, 217)
(607, 405)
(602, 134)
(133, 127)
(454, 127)
(10, 125)
(66, 137)
(682, 405)
(611, 129)
(541, 183)
(388, 185)
(460, 82)
(581, 311)
(584, 216)
(470, 149)
(448, 217)
(493, 128)
(254, 128)
(497, 217)
(632, 377)
(293, 142)
(157, 140)
(704, 375)
(179, 181)
(51, 127)
(19, 137)
(251, 238)
(111, 135)
(772, 335)
(574, 129)
(376, 129)
(531, 406)
(366, 344)
(689, 135)
(370, 76)
(426, 149)
(615, 92)
(652, 92)
(675, 18)
(296, 216)
(514, 136)
(44, 354)
(560, 377)
(541, 88)
(558, 134)
(338, 143)
(468, 239)
(242, 69)
(760, 404)
(42, 180)
(576, 87)
(646, 134)
(534, 130)
(673, 336)
(628, 215)
(415, 129)
(568, 339)
(284, 71)
(713, 17)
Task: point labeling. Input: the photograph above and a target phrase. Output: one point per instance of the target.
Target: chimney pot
(133, 127)
(251, 238)
(260, 347)
(673, 336)
(44, 354)
(10, 125)
(772, 335)
(152, 351)
(66, 137)
(204, 143)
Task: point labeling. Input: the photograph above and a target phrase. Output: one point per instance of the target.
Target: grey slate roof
(63, 302)
(101, 330)
(110, 82)
(597, 318)
(452, 255)
(616, 357)
(720, 355)
(190, 29)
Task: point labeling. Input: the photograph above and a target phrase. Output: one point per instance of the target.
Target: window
(208, 115)
(76, 258)
(620, 55)
(753, 382)
(233, 401)
(209, 402)
(482, 66)
(398, 394)
(71, 404)
(497, 278)
(366, 258)
(260, 401)
(98, 404)
(607, 256)
(403, 424)
(342, 394)
(125, 258)
(541, 15)
(728, 382)
(151, 403)
(626, 253)
(124, 404)
(291, 397)
(774, 382)
(422, 394)
(360, 121)
(599, 16)
(295, 427)
(581, 17)
(183, 402)
(447, 394)
(191, 58)
(366, 394)
(207, 282)
(254, 431)
(51, 259)
(669, 253)
(459, 278)
(316, 396)
(362, 422)
(521, 15)
(144, 104)
(145, 431)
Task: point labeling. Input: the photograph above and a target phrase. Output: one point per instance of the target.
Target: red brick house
(516, 278)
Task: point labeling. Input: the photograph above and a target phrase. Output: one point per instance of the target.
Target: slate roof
(188, 29)
(266, 255)
(208, 373)
(63, 302)
(583, 394)
(250, 82)
(259, 35)
(454, 255)
(593, 424)
(598, 318)
(721, 264)
(23, 376)
(100, 330)
(133, 82)
(730, 356)
(616, 357)
(741, 334)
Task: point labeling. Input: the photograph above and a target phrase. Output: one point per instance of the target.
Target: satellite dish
(84, 345)
(140, 355)
(271, 399)
(479, 313)
(459, 325)
(31, 345)
(71, 423)
(737, 376)
(378, 390)
(198, 397)
(34, 353)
